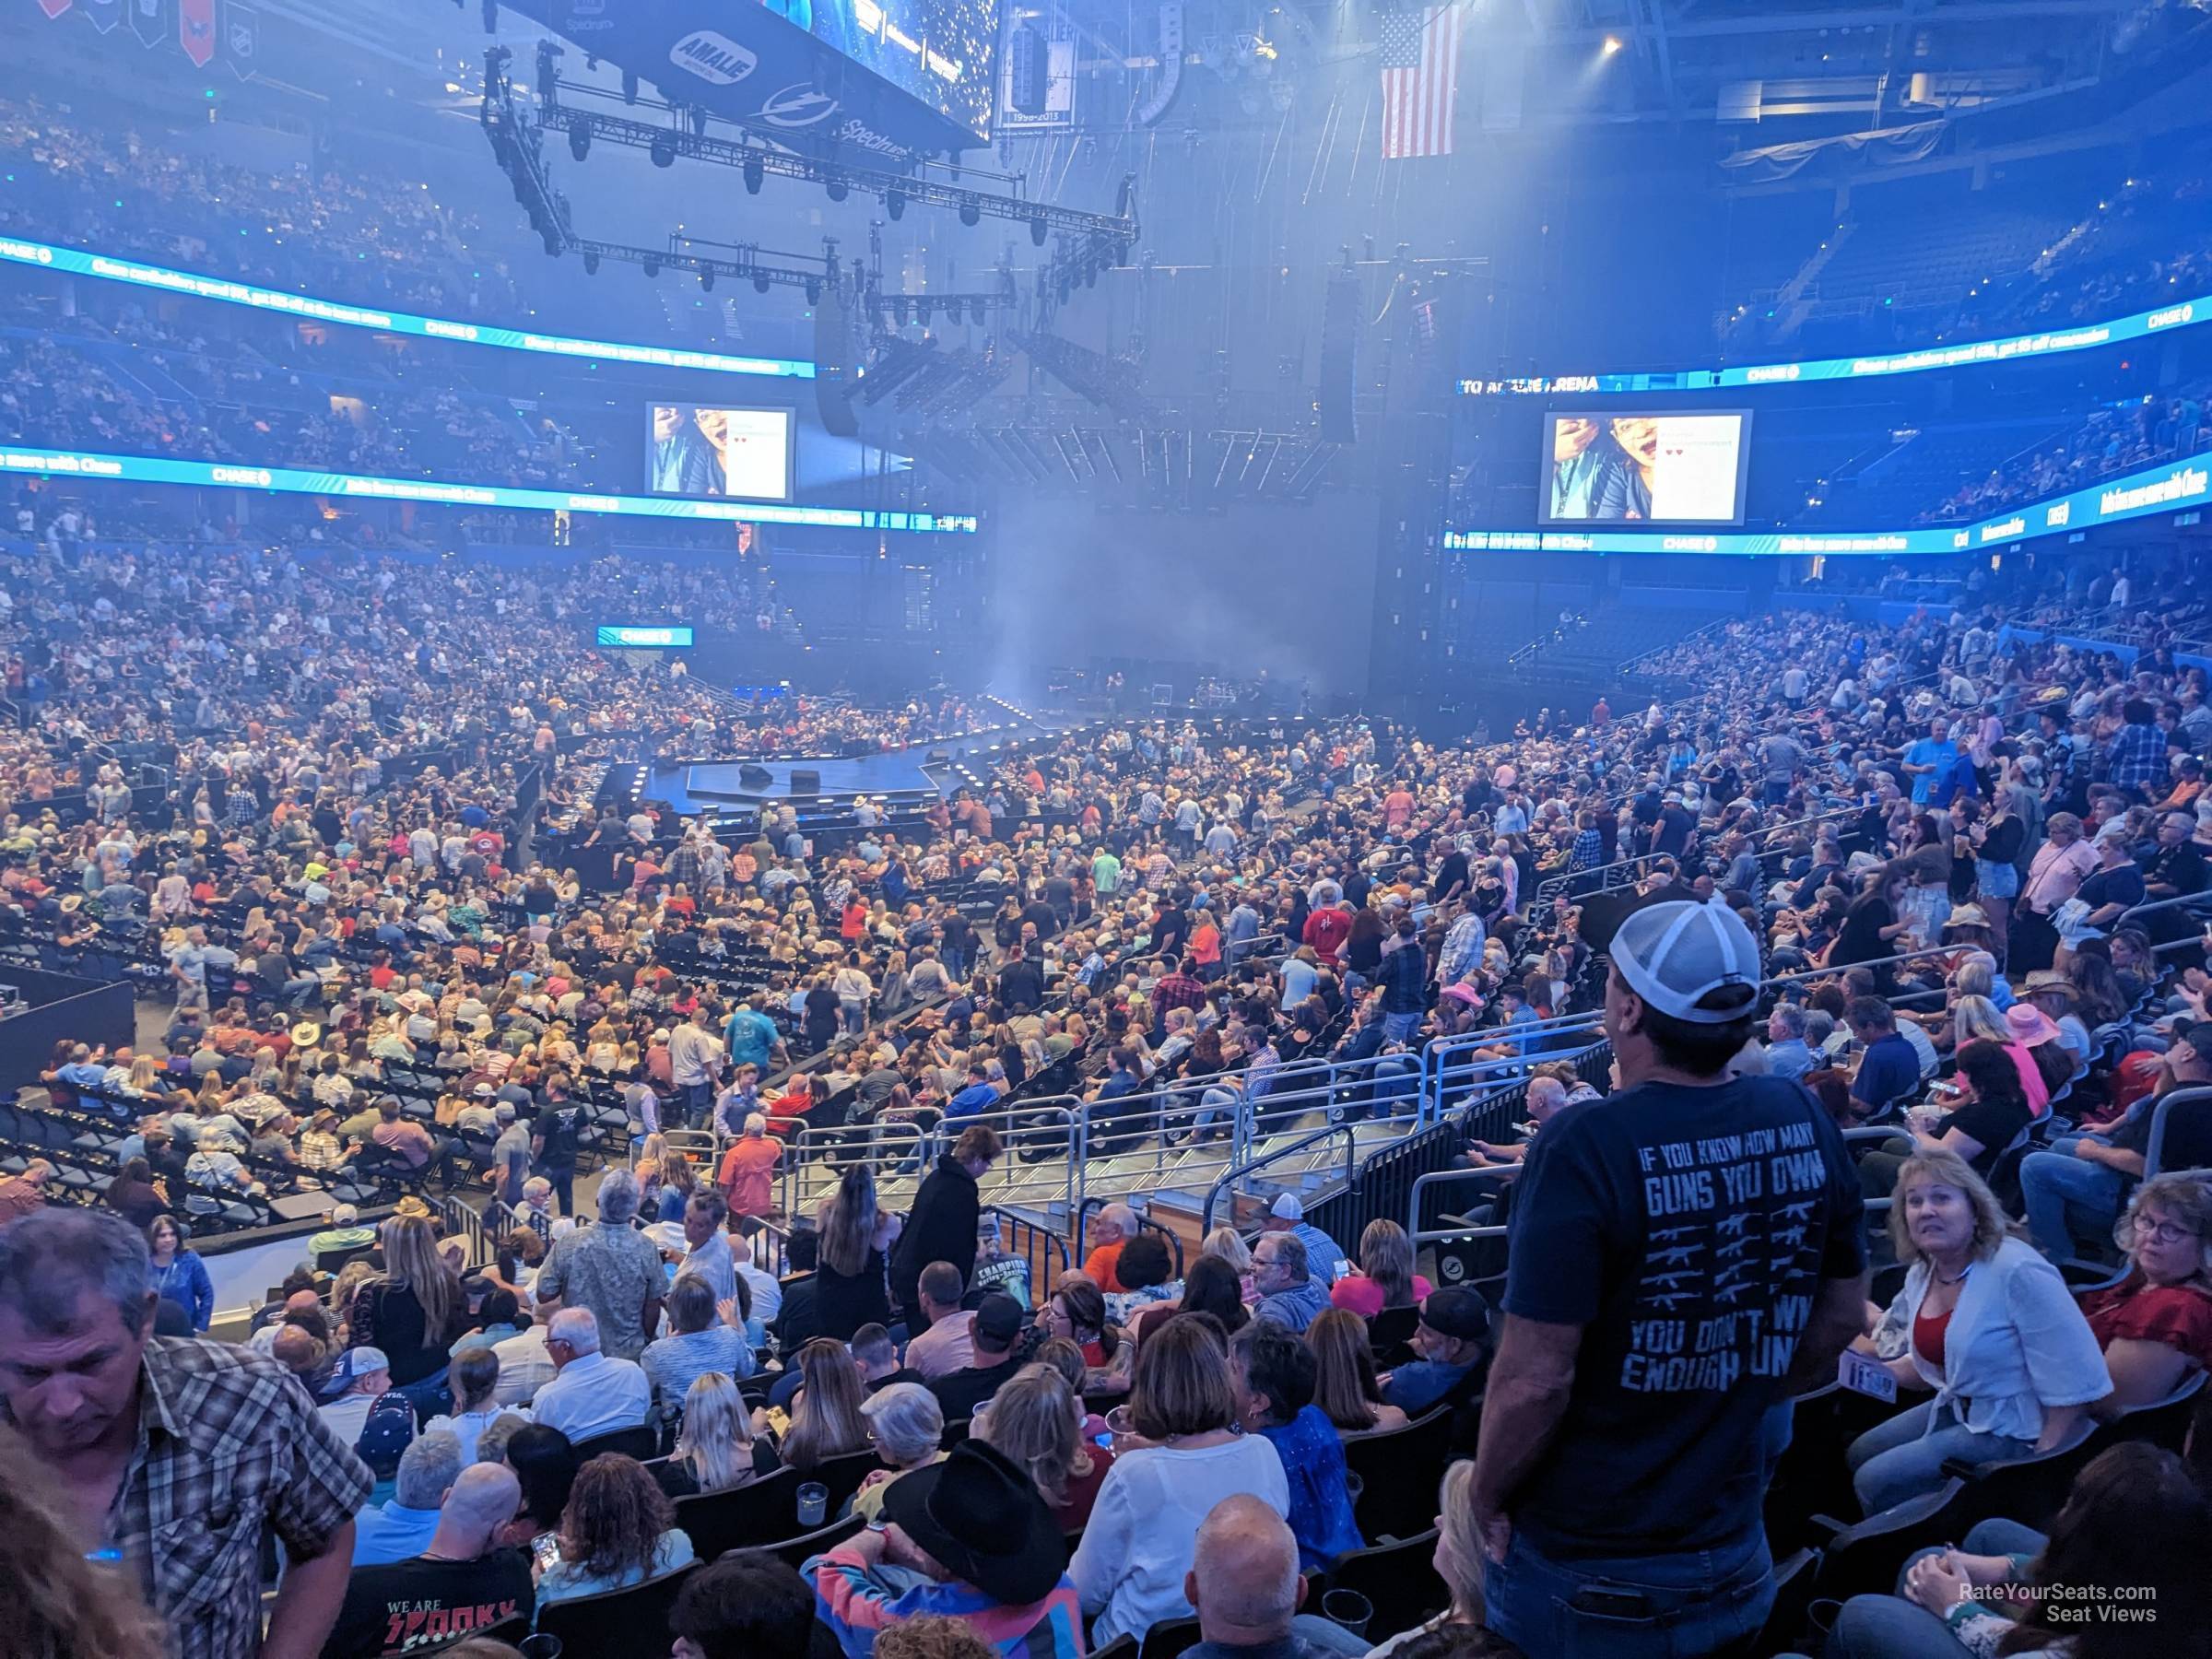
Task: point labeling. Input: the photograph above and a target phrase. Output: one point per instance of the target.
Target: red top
(2136, 1309)
(1927, 1335)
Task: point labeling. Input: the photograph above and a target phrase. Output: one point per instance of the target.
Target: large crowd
(1935, 841)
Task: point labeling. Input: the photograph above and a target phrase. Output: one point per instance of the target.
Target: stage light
(814, 291)
(662, 150)
(970, 213)
(629, 85)
(580, 142)
(590, 263)
(759, 285)
(921, 313)
(1612, 44)
(894, 202)
(899, 309)
(754, 173)
(977, 312)
(1037, 231)
(651, 267)
(835, 184)
(491, 17)
(706, 279)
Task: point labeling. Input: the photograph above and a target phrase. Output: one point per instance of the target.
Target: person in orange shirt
(1116, 1225)
(747, 1173)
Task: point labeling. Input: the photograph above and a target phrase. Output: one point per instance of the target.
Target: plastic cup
(539, 1647)
(814, 1504)
(1348, 1608)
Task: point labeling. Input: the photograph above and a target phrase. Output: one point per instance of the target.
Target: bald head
(483, 1499)
(1243, 1577)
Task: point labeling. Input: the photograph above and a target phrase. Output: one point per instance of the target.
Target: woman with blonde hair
(1386, 1279)
(825, 1419)
(1036, 1419)
(414, 1310)
(2012, 1365)
(1458, 1560)
(1224, 1243)
(716, 1450)
(1344, 1374)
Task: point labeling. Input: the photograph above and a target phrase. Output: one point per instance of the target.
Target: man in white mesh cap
(1686, 1255)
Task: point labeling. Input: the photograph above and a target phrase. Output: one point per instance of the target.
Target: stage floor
(692, 786)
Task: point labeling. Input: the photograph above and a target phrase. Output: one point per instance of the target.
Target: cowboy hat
(1967, 915)
(980, 1517)
(306, 1034)
(2057, 984)
(2030, 1025)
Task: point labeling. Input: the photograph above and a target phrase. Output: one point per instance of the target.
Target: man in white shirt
(366, 1374)
(948, 1343)
(525, 1366)
(694, 1056)
(593, 1393)
(768, 1291)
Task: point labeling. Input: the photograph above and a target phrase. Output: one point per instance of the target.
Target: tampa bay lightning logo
(796, 106)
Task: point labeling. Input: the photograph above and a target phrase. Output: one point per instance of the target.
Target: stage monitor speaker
(806, 783)
(755, 777)
(833, 366)
(1340, 360)
(1027, 69)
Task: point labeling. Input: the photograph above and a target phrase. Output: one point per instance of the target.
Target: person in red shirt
(1327, 930)
(1398, 806)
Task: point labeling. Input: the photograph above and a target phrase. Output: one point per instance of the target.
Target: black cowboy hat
(983, 1520)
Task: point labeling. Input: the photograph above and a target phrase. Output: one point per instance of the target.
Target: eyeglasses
(2165, 1232)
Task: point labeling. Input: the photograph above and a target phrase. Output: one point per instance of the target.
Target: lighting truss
(690, 133)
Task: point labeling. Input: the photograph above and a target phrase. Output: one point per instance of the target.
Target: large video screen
(1634, 466)
(939, 51)
(710, 450)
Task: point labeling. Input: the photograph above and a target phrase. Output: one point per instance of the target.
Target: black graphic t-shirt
(422, 1603)
(1688, 1230)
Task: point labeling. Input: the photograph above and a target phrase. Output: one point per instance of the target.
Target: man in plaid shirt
(1182, 989)
(2135, 761)
(173, 1457)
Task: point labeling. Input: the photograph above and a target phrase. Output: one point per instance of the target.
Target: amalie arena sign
(2173, 487)
(1966, 354)
(284, 480)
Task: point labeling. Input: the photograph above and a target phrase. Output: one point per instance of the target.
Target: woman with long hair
(850, 1286)
(1386, 1279)
(825, 1413)
(414, 1308)
(1077, 1311)
(1229, 1246)
(679, 1181)
(1344, 1374)
(177, 1274)
(1458, 1562)
(60, 1606)
(1037, 1419)
(617, 1529)
(716, 1451)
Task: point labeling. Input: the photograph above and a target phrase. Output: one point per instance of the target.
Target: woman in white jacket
(1995, 1333)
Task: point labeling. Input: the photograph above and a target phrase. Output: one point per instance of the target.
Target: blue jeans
(694, 1101)
(1400, 1027)
(1667, 1606)
(1903, 1457)
(2069, 1200)
(1889, 1627)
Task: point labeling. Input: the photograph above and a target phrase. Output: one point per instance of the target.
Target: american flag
(1420, 80)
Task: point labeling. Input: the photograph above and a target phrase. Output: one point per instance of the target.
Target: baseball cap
(1457, 1313)
(1286, 1208)
(482, 1090)
(358, 1362)
(1673, 953)
(998, 1319)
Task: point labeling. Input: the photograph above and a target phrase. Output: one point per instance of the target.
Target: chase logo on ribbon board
(713, 57)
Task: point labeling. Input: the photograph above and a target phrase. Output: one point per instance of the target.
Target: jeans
(1400, 1027)
(1667, 1607)
(1903, 1457)
(2069, 1200)
(563, 1179)
(1889, 1627)
(693, 1101)
(1213, 1103)
(298, 993)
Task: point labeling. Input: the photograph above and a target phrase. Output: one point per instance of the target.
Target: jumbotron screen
(939, 51)
(1656, 469)
(709, 450)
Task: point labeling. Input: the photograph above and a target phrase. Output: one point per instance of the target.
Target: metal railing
(1237, 1176)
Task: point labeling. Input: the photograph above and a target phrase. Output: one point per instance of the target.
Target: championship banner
(53, 9)
(241, 39)
(149, 20)
(195, 31)
(103, 14)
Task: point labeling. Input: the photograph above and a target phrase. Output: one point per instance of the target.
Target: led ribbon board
(643, 638)
(337, 312)
(1966, 354)
(2138, 495)
(283, 481)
